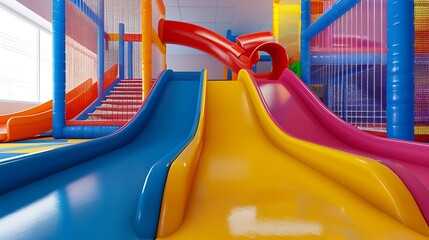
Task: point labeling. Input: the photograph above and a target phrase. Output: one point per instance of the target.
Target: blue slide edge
(21, 170)
(149, 205)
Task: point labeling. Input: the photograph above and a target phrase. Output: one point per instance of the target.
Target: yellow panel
(254, 181)
(289, 29)
(113, 36)
(76, 140)
(36, 149)
(12, 145)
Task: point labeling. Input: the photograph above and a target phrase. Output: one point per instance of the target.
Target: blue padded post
(305, 43)
(100, 52)
(59, 67)
(121, 59)
(400, 69)
(130, 60)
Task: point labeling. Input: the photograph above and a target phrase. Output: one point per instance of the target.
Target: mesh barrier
(348, 64)
(421, 69)
(106, 54)
(122, 23)
(81, 54)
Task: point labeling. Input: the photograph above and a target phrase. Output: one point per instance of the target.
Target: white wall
(196, 62)
(42, 7)
(11, 107)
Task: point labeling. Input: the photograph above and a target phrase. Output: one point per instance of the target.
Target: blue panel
(265, 58)
(98, 198)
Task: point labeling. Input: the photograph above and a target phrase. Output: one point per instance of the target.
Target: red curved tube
(251, 41)
(235, 56)
(205, 40)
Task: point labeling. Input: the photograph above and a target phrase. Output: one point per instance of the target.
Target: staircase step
(128, 88)
(122, 102)
(120, 112)
(131, 81)
(137, 84)
(109, 107)
(124, 97)
(103, 116)
(129, 92)
(115, 107)
(115, 120)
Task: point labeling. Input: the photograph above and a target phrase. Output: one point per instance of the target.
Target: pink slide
(299, 112)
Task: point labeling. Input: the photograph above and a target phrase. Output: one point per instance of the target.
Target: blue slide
(98, 189)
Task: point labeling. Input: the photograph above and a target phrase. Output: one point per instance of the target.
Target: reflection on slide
(90, 190)
(242, 176)
(299, 113)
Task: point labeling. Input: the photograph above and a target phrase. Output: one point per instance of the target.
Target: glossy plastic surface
(149, 203)
(400, 70)
(242, 55)
(98, 199)
(301, 114)
(253, 181)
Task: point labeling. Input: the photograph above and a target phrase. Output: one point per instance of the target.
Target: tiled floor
(33, 145)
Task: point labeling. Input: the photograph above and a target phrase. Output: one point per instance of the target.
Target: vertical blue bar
(121, 59)
(79, 5)
(130, 60)
(231, 38)
(335, 12)
(100, 52)
(255, 68)
(305, 43)
(400, 69)
(59, 67)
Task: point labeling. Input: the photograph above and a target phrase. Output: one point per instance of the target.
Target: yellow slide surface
(242, 177)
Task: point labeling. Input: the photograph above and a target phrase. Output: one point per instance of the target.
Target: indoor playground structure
(354, 55)
(269, 155)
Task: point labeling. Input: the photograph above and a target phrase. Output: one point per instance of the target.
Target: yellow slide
(242, 177)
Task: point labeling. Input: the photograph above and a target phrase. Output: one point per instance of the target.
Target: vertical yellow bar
(146, 46)
(276, 20)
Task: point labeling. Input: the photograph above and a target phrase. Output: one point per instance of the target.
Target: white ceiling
(241, 16)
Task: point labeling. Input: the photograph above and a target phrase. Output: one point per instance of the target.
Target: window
(25, 59)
